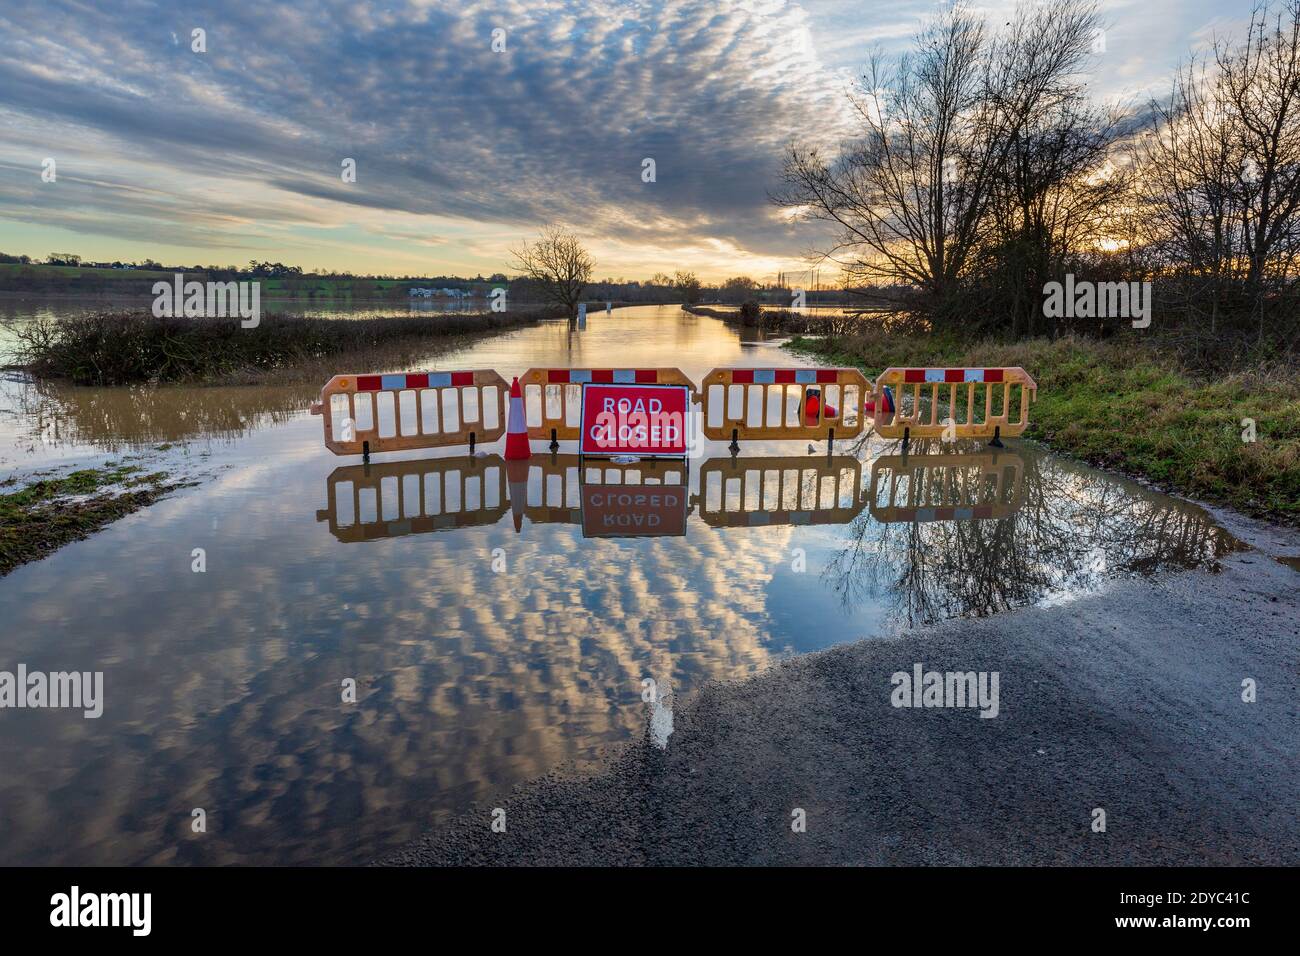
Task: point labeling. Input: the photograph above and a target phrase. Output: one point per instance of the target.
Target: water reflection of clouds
(223, 688)
(469, 680)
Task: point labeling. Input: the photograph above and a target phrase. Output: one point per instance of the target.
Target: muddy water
(492, 636)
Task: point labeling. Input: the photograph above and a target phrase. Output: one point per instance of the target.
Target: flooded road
(492, 636)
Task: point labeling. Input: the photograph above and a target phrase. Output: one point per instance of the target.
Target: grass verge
(1126, 405)
(43, 516)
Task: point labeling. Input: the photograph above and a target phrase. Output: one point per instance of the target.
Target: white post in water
(609, 308)
(582, 315)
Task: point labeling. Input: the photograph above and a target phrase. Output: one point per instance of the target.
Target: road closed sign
(644, 420)
(632, 510)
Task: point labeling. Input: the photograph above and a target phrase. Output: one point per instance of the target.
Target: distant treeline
(69, 274)
(277, 280)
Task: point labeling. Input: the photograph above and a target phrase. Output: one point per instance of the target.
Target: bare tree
(912, 194)
(559, 264)
(1054, 204)
(1220, 171)
(688, 284)
(738, 289)
(1261, 78)
(1187, 204)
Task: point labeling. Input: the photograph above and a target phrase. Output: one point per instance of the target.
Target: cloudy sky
(236, 153)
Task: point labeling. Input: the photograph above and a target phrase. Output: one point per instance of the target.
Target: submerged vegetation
(122, 348)
(43, 516)
(1133, 406)
(751, 315)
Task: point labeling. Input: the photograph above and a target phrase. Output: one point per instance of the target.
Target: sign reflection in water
(397, 498)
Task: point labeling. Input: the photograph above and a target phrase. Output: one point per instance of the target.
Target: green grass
(8, 270)
(41, 517)
(1125, 405)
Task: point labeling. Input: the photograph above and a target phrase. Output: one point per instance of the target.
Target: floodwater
(495, 630)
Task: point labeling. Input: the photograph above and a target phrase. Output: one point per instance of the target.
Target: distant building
(444, 293)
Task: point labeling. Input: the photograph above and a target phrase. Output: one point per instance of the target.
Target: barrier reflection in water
(946, 487)
(945, 535)
(756, 492)
(395, 498)
(655, 497)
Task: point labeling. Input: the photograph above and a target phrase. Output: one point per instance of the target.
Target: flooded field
(498, 622)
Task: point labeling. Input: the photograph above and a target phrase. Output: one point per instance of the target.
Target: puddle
(499, 620)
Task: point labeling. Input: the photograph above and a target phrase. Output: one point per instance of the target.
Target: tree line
(981, 170)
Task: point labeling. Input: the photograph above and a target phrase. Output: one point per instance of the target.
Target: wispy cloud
(237, 151)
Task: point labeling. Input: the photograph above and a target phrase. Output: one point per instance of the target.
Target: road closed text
(637, 420)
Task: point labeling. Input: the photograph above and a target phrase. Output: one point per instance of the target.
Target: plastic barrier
(553, 396)
(980, 402)
(375, 413)
(567, 489)
(946, 487)
(762, 403)
(758, 492)
(395, 498)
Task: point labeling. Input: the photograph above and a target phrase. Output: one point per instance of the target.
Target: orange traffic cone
(517, 476)
(884, 415)
(812, 406)
(517, 447)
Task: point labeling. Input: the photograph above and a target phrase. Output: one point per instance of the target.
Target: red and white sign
(633, 510)
(648, 421)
